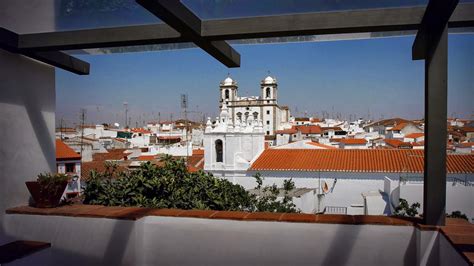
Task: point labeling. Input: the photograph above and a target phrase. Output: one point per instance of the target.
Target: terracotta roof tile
(396, 143)
(415, 135)
(146, 157)
(115, 154)
(310, 129)
(353, 141)
(399, 126)
(340, 160)
(286, 131)
(64, 152)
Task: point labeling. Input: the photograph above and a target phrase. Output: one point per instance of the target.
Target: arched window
(255, 115)
(239, 116)
(227, 94)
(268, 92)
(219, 155)
(246, 116)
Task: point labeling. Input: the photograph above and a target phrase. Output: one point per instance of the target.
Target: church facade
(264, 107)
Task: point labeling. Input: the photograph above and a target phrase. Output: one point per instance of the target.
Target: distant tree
(457, 214)
(173, 186)
(403, 209)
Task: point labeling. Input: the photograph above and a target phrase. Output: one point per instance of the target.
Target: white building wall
(346, 188)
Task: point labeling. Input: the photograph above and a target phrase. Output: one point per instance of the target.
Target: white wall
(458, 197)
(27, 122)
(190, 241)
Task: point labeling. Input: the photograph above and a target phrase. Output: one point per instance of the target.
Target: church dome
(269, 80)
(228, 81)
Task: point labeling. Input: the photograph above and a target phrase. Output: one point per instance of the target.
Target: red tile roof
(396, 143)
(466, 144)
(414, 135)
(301, 118)
(353, 141)
(310, 129)
(332, 128)
(321, 145)
(340, 160)
(64, 152)
(146, 157)
(387, 122)
(287, 131)
(399, 127)
(115, 154)
(196, 162)
(140, 130)
(198, 152)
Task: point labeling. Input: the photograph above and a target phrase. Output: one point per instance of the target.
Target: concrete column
(436, 96)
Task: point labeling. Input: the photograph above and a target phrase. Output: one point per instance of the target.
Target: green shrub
(172, 186)
(406, 210)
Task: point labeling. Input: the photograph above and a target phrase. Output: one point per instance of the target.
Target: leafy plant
(49, 183)
(457, 214)
(403, 209)
(172, 186)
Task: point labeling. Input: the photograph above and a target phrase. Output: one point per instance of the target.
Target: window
(246, 116)
(268, 112)
(268, 122)
(268, 92)
(219, 155)
(268, 132)
(239, 116)
(227, 94)
(255, 115)
(70, 167)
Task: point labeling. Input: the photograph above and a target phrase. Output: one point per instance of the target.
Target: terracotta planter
(46, 198)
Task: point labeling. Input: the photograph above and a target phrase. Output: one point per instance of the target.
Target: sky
(373, 78)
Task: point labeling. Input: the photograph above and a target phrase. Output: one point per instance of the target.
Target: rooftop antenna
(184, 106)
(61, 128)
(125, 105)
(83, 118)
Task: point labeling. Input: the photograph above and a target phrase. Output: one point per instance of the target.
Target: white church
(264, 107)
(343, 181)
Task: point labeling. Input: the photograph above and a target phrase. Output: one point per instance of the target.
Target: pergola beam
(435, 19)
(179, 17)
(100, 38)
(9, 41)
(316, 23)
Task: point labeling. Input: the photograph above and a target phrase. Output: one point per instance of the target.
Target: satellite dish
(116, 124)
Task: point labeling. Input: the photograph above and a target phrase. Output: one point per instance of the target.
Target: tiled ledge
(134, 213)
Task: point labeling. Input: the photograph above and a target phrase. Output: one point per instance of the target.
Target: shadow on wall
(27, 122)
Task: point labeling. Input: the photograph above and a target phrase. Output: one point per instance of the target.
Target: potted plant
(48, 189)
